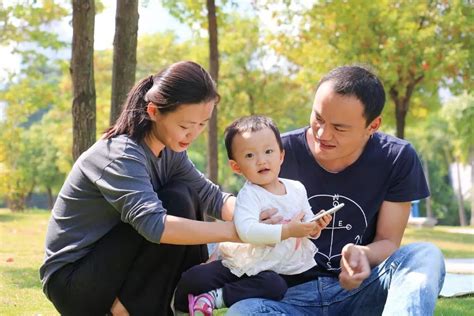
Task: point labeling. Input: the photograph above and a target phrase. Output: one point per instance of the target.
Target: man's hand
(270, 216)
(355, 267)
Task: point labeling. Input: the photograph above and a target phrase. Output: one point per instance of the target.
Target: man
(342, 158)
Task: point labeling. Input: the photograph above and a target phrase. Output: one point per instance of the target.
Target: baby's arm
(251, 230)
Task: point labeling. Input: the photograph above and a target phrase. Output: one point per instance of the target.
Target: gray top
(117, 180)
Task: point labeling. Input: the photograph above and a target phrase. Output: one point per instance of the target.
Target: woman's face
(177, 130)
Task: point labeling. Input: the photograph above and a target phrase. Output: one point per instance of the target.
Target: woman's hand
(297, 228)
(270, 216)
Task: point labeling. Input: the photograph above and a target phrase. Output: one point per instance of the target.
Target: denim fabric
(407, 283)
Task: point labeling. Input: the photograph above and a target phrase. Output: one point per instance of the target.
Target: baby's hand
(297, 228)
(321, 224)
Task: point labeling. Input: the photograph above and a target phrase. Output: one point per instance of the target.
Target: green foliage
(194, 13)
(459, 116)
(444, 137)
(24, 137)
(28, 27)
(420, 45)
(271, 74)
(30, 149)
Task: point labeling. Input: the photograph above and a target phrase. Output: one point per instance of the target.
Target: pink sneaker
(201, 305)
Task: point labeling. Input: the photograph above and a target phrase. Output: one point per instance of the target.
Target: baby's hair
(253, 123)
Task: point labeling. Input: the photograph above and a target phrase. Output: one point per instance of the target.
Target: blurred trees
(263, 69)
(415, 46)
(191, 13)
(27, 29)
(445, 138)
(459, 116)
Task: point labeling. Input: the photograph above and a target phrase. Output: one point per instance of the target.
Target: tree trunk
(212, 159)
(401, 111)
(82, 73)
(50, 198)
(125, 54)
(472, 187)
(429, 212)
(462, 215)
(402, 102)
(16, 201)
(400, 115)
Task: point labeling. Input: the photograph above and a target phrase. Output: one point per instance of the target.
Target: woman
(129, 217)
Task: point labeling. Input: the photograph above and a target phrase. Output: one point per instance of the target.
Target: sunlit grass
(21, 253)
(453, 245)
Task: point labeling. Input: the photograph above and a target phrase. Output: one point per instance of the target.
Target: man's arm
(393, 218)
(356, 261)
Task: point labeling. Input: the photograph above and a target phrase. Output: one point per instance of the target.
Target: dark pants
(143, 275)
(206, 277)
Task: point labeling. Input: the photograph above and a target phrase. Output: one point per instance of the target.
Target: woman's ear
(151, 110)
(234, 166)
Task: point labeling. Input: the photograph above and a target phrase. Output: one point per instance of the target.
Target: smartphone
(328, 212)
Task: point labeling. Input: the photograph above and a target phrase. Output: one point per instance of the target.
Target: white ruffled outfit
(263, 249)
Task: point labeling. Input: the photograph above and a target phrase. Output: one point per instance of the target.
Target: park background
(267, 57)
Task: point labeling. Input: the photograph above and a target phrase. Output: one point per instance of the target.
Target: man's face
(338, 128)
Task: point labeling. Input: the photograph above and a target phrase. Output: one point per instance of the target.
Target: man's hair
(253, 123)
(359, 82)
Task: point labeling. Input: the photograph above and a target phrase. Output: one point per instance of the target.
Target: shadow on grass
(22, 278)
(7, 217)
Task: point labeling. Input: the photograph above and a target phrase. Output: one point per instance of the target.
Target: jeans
(406, 283)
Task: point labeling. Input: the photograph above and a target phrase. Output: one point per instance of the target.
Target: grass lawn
(21, 254)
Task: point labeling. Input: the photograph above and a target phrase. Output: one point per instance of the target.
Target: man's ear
(234, 166)
(151, 110)
(375, 125)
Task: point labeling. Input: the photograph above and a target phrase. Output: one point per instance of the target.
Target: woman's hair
(253, 123)
(184, 82)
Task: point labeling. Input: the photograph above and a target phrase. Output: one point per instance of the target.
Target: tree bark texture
(402, 103)
(212, 159)
(82, 73)
(125, 54)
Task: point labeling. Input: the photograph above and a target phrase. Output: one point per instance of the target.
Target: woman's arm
(182, 231)
(227, 211)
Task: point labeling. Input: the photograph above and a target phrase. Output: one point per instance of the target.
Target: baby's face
(257, 156)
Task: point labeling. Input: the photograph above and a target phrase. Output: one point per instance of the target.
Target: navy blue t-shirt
(387, 170)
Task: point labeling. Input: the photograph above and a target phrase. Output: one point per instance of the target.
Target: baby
(254, 268)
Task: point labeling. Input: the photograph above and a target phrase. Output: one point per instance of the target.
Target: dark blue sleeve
(407, 181)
